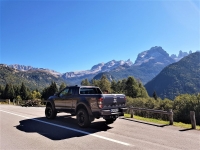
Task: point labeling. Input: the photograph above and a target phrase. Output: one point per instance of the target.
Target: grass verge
(152, 120)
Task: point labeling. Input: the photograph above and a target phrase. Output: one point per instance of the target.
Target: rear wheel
(110, 120)
(83, 118)
(50, 113)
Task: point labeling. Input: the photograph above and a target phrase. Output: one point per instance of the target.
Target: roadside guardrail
(169, 113)
(5, 100)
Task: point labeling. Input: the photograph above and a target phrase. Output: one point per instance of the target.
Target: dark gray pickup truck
(87, 103)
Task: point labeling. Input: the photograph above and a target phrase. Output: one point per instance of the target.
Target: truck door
(60, 101)
(68, 99)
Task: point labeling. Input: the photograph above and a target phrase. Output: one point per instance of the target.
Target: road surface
(27, 128)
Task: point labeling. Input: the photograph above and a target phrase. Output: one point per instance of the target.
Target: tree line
(130, 86)
(22, 92)
(135, 92)
(137, 96)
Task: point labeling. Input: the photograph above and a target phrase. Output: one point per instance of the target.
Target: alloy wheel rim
(49, 112)
(81, 118)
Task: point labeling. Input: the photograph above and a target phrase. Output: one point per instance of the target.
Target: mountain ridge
(34, 79)
(150, 62)
(178, 78)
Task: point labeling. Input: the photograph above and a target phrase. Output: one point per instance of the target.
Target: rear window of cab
(90, 91)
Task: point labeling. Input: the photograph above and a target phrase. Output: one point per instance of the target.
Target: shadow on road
(66, 127)
(145, 122)
(186, 129)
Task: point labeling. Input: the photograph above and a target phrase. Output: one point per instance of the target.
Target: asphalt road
(27, 128)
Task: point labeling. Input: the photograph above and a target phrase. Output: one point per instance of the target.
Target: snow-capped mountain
(101, 67)
(147, 65)
(21, 67)
(77, 76)
(156, 56)
(28, 68)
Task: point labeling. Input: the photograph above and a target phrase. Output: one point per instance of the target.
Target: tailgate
(114, 100)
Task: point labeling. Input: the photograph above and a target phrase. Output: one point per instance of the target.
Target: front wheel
(50, 113)
(83, 118)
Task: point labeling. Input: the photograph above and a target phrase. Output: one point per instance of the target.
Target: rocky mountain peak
(157, 54)
(27, 68)
(98, 66)
(180, 55)
(101, 67)
(21, 67)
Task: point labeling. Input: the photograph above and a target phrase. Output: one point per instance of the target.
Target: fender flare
(86, 106)
(51, 103)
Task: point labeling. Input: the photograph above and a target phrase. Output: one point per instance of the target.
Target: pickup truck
(87, 103)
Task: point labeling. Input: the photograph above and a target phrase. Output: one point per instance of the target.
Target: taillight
(125, 98)
(100, 102)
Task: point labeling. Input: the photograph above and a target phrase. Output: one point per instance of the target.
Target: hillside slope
(178, 78)
(31, 78)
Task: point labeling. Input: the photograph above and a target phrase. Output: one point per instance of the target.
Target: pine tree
(49, 91)
(131, 87)
(23, 92)
(45, 94)
(9, 92)
(104, 84)
(123, 86)
(16, 90)
(114, 86)
(55, 87)
(62, 86)
(85, 82)
(142, 92)
(95, 82)
(155, 95)
(134, 88)
(1, 91)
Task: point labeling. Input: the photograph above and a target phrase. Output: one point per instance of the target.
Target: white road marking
(72, 129)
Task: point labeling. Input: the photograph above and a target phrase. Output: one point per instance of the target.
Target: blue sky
(75, 35)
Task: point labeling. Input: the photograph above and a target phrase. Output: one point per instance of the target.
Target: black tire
(50, 113)
(110, 121)
(82, 118)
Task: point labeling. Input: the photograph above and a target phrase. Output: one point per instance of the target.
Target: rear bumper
(108, 112)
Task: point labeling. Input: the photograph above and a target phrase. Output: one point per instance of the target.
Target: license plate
(114, 110)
